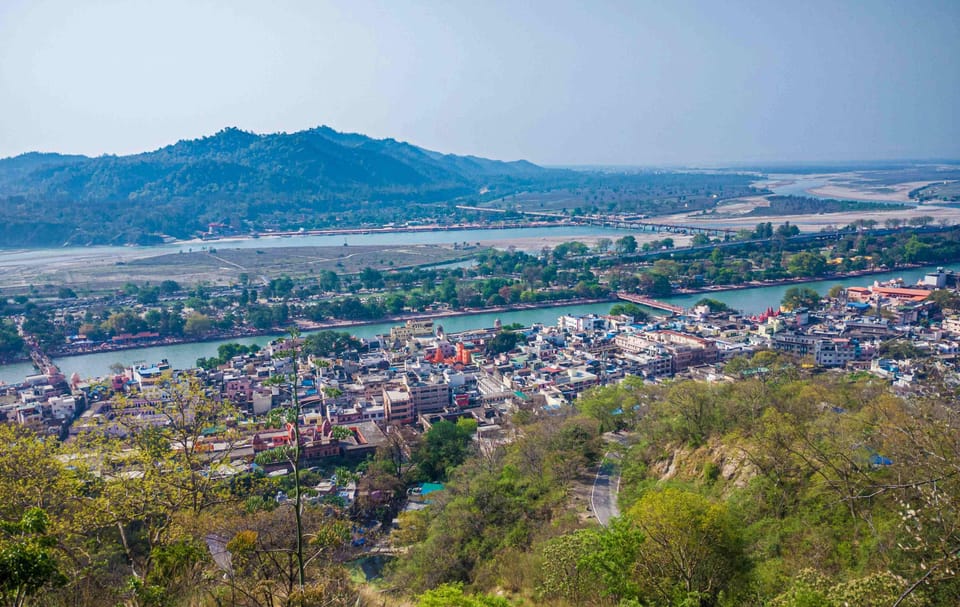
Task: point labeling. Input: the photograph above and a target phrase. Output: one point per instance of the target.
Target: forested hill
(238, 178)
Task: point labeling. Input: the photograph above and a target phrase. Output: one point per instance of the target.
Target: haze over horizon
(556, 83)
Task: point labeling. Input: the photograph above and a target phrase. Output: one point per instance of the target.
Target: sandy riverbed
(111, 267)
(899, 192)
(814, 222)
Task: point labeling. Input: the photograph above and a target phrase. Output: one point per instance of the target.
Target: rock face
(711, 461)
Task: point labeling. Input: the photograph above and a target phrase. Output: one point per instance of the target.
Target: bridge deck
(650, 303)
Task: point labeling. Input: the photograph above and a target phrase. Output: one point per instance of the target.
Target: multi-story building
(411, 329)
(398, 407)
(427, 396)
(826, 352)
(582, 323)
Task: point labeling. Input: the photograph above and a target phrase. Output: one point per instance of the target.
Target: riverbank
(799, 280)
(500, 225)
(400, 318)
(335, 325)
(21, 268)
(899, 192)
(750, 300)
(331, 325)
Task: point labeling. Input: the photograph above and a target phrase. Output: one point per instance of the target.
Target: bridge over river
(651, 303)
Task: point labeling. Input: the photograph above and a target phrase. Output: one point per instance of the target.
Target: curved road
(606, 486)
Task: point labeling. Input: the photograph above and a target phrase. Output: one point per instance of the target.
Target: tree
(692, 412)
(714, 305)
(945, 299)
(371, 278)
(690, 545)
(899, 349)
(716, 257)
(763, 230)
(329, 343)
(291, 415)
(799, 297)
(655, 284)
(504, 341)
(123, 322)
(395, 303)
(571, 248)
(445, 446)
(197, 324)
(341, 433)
(836, 291)
(281, 287)
(169, 287)
(264, 569)
(26, 560)
(412, 528)
(626, 245)
(566, 572)
(167, 466)
(915, 250)
(616, 406)
(11, 344)
(785, 230)
(329, 281)
(452, 595)
(603, 245)
(613, 558)
(806, 264)
(630, 309)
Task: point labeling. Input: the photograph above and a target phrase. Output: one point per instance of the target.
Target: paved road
(606, 486)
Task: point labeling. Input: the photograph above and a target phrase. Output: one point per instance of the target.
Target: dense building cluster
(418, 374)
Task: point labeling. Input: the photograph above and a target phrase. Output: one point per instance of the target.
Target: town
(353, 394)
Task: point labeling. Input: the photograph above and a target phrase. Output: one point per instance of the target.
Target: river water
(758, 299)
(750, 301)
(30, 257)
(783, 184)
(183, 356)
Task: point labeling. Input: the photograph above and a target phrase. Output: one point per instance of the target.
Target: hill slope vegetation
(310, 178)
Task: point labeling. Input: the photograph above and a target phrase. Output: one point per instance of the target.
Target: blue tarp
(426, 488)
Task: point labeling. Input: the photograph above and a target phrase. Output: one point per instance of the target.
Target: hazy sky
(556, 82)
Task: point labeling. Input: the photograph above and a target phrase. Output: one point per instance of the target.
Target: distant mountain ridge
(237, 177)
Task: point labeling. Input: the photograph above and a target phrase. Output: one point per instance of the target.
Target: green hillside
(307, 179)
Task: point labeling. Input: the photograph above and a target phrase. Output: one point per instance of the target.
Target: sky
(555, 82)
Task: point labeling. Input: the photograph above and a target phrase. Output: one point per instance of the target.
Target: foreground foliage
(779, 489)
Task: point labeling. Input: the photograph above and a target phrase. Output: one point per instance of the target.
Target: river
(751, 301)
(185, 355)
(757, 299)
(783, 184)
(30, 257)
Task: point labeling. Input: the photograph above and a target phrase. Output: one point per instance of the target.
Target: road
(606, 487)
